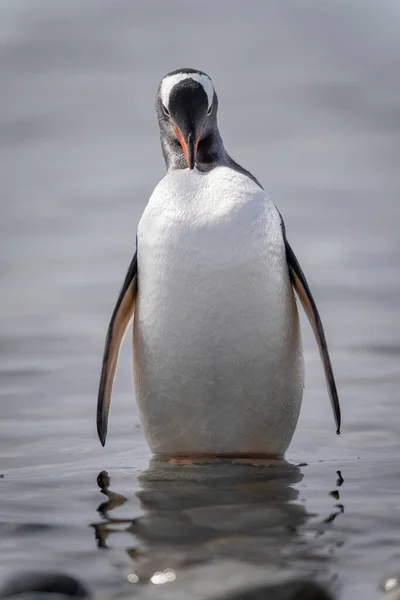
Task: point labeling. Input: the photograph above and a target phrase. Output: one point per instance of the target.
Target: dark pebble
(292, 590)
(45, 583)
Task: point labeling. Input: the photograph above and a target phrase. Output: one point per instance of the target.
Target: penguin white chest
(218, 365)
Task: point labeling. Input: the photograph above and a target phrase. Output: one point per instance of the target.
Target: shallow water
(309, 102)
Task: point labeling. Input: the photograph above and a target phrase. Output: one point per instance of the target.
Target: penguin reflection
(198, 513)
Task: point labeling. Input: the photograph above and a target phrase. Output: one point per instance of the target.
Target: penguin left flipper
(300, 285)
(120, 319)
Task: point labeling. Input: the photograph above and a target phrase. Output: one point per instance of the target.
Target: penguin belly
(218, 363)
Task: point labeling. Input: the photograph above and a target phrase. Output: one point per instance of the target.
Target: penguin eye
(210, 110)
(165, 110)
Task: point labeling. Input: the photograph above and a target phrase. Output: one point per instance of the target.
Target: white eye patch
(172, 80)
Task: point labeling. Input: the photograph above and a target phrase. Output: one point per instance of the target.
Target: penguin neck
(211, 153)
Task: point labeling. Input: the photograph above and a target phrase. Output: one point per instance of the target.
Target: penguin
(218, 364)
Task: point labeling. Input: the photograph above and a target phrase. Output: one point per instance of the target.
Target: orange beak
(189, 147)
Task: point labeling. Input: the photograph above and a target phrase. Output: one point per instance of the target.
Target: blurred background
(309, 97)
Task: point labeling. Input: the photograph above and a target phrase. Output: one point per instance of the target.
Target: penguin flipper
(120, 319)
(303, 291)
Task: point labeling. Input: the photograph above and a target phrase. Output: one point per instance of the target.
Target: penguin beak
(191, 151)
(189, 146)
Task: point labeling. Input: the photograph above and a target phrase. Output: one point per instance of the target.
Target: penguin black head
(186, 106)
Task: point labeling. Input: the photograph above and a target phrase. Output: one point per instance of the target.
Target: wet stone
(292, 590)
(43, 585)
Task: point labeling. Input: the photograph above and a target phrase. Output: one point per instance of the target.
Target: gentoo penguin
(218, 361)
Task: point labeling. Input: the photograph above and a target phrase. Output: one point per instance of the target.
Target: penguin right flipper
(120, 319)
(300, 285)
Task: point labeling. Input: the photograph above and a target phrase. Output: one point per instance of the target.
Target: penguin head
(186, 106)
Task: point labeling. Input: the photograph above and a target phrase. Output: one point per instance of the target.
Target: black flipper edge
(303, 291)
(120, 319)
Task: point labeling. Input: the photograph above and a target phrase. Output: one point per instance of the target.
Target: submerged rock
(292, 590)
(43, 585)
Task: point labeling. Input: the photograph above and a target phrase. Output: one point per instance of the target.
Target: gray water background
(310, 103)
